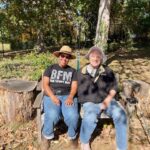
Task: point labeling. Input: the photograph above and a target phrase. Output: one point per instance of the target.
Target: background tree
(103, 24)
(27, 23)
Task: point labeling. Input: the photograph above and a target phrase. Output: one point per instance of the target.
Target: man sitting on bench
(97, 87)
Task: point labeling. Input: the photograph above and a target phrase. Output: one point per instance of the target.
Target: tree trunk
(16, 99)
(103, 24)
(40, 42)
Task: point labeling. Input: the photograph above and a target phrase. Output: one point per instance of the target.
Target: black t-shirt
(60, 78)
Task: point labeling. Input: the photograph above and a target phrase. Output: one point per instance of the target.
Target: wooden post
(37, 106)
(39, 124)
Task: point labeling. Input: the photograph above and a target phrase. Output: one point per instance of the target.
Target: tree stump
(16, 99)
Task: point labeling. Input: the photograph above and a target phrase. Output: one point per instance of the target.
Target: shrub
(29, 66)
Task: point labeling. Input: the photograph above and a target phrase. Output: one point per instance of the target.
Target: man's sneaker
(45, 144)
(85, 146)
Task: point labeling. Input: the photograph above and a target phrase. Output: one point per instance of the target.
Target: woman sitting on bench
(60, 87)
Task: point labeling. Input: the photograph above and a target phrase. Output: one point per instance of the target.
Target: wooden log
(16, 99)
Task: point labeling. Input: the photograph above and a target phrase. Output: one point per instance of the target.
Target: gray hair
(95, 48)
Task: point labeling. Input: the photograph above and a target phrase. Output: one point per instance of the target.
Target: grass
(31, 66)
(5, 46)
(28, 66)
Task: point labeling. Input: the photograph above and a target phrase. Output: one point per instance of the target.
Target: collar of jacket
(101, 69)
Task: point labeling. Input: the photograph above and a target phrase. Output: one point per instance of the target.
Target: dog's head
(130, 87)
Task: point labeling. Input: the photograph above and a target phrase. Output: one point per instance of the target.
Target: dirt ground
(133, 65)
(23, 136)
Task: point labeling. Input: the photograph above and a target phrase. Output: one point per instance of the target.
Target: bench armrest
(38, 100)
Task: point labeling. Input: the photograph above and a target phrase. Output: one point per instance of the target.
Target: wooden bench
(38, 106)
(40, 114)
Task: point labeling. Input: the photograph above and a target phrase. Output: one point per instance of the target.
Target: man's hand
(102, 107)
(69, 101)
(108, 99)
(55, 100)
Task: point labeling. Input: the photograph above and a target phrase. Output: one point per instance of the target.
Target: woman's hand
(55, 100)
(69, 101)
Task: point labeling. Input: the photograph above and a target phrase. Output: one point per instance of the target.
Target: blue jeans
(115, 111)
(54, 113)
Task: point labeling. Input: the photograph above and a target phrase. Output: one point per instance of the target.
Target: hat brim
(57, 54)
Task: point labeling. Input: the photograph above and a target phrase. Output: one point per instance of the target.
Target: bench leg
(39, 124)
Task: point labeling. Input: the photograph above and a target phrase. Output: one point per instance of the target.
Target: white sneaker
(85, 146)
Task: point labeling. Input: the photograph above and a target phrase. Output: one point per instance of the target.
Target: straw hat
(94, 48)
(65, 50)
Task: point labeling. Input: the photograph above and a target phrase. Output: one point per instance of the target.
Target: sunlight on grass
(5, 46)
(30, 66)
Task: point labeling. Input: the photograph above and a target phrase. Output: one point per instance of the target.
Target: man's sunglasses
(65, 56)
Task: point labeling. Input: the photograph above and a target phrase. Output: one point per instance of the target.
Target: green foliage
(137, 12)
(58, 21)
(27, 67)
(131, 20)
(113, 46)
(40, 63)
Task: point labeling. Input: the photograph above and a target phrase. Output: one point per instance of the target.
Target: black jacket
(95, 89)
